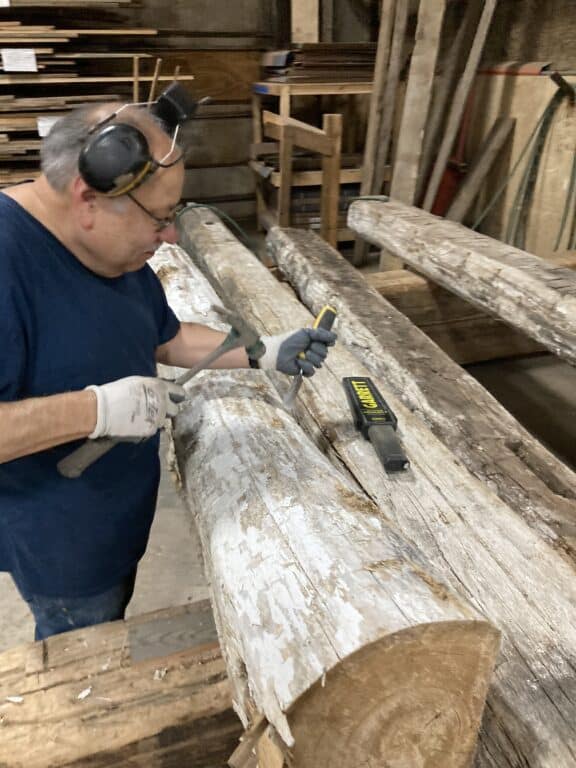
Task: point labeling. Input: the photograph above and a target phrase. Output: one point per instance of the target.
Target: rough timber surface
(148, 691)
(535, 296)
(470, 531)
(315, 592)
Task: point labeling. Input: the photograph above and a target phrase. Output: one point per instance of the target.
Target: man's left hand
(282, 351)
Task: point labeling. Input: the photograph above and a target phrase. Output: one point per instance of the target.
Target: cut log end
(412, 699)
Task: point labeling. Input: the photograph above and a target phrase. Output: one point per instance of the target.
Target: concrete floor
(540, 391)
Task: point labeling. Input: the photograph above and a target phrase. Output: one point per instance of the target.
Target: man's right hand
(134, 407)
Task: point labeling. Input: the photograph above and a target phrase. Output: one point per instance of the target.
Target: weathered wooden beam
(471, 546)
(152, 690)
(528, 293)
(476, 540)
(312, 587)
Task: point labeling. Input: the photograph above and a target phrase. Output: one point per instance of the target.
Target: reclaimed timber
(476, 176)
(444, 86)
(530, 294)
(455, 325)
(375, 114)
(417, 101)
(459, 103)
(377, 98)
(262, 492)
(390, 93)
(511, 734)
(479, 542)
(151, 690)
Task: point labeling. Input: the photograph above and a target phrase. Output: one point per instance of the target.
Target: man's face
(126, 232)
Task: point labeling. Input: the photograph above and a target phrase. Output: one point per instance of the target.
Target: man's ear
(83, 202)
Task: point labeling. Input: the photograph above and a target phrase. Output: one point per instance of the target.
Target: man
(83, 322)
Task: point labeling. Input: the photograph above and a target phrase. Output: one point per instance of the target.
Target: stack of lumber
(321, 62)
(151, 690)
(488, 509)
(66, 63)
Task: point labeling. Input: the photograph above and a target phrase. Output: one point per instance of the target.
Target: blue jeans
(54, 615)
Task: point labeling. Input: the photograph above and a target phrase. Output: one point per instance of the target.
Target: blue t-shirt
(62, 327)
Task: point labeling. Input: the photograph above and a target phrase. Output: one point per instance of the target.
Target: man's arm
(193, 342)
(29, 426)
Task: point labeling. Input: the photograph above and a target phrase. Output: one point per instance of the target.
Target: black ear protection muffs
(116, 158)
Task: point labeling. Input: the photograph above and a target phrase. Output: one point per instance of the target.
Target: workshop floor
(540, 391)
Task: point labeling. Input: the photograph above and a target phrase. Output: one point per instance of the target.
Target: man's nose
(169, 234)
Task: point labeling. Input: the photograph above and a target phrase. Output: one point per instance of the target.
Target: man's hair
(60, 149)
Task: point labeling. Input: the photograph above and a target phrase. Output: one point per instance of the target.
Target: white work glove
(135, 407)
(282, 351)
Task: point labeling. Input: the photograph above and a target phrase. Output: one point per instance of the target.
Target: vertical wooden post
(375, 115)
(153, 84)
(377, 98)
(286, 147)
(136, 79)
(389, 103)
(330, 197)
(417, 101)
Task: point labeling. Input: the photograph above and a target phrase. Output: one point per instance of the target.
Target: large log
(470, 536)
(318, 599)
(525, 291)
(151, 690)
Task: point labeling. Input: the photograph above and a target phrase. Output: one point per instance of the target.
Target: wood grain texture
(526, 723)
(417, 101)
(530, 294)
(286, 537)
(151, 690)
(475, 536)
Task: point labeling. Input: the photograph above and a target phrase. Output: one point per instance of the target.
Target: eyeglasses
(161, 223)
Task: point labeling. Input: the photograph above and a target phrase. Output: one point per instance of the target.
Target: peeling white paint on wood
(306, 570)
(535, 296)
(500, 538)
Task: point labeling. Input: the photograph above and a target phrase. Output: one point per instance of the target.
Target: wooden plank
(528, 293)
(303, 135)
(330, 195)
(459, 103)
(377, 99)
(417, 101)
(476, 176)
(481, 548)
(312, 89)
(391, 89)
(164, 669)
(444, 87)
(284, 191)
(305, 21)
(291, 500)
